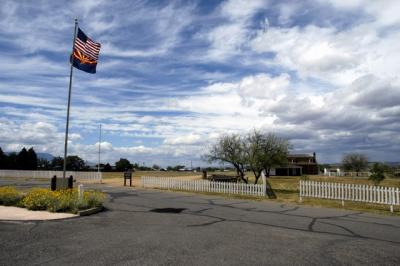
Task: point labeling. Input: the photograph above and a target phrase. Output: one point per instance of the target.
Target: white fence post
(264, 180)
(80, 191)
(301, 190)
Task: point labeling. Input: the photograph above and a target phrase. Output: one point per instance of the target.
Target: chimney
(315, 158)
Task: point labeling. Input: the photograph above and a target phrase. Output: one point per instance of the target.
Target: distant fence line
(350, 192)
(95, 176)
(203, 186)
(340, 173)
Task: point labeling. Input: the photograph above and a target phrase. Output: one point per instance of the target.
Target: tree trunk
(270, 192)
(240, 173)
(257, 176)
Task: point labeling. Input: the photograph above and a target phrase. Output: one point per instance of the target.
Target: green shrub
(377, 175)
(92, 199)
(9, 196)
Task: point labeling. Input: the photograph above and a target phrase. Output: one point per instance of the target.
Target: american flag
(87, 47)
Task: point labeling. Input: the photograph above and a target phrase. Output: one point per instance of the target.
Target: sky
(173, 76)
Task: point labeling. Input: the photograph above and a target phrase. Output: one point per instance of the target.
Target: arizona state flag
(86, 53)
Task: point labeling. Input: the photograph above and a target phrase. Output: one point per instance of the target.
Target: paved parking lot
(149, 227)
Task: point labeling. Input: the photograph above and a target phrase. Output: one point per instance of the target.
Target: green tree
(107, 168)
(23, 160)
(3, 159)
(377, 173)
(75, 163)
(11, 161)
(177, 167)
(57, 163)
(355, 162)
(32, 163)
(230, 149)
(123, 164)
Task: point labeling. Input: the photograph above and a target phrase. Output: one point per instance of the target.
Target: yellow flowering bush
(39, 199)
(9, 196)
(65, 200)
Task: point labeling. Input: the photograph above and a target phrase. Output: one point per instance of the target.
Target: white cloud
(188, 139)
(384, 12)
(264, 86)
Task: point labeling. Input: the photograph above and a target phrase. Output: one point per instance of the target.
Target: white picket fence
(350, 192)
(203, 186)
(351, 174)
(90, 176)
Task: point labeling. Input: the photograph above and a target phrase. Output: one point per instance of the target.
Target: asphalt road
(149, 227)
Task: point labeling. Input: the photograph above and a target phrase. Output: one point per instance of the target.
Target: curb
(90, 211)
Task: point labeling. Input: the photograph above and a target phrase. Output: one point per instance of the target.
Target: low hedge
(66, 200)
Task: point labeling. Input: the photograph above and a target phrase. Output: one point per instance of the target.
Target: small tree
(355, 162)
(377, 175)
(123, 164)
(107, 168)
(230, 149)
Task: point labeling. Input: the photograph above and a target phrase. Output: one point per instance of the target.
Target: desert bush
(9, 196)
(377, 175)
(92, 199)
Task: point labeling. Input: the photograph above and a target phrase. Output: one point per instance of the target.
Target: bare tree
(275, 151)
(254, 153)
(355, 162)
(230, 149)
(257, 151)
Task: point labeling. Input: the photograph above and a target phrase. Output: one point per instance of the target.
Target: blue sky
(174, 75)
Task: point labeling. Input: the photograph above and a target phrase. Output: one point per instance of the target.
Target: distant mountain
(44, 155)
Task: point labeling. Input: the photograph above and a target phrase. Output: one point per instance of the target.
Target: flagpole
(98, 165)
(69, 104)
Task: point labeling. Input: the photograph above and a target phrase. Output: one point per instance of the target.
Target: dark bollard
(70, 181)
(204, 174)
(53, 183)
